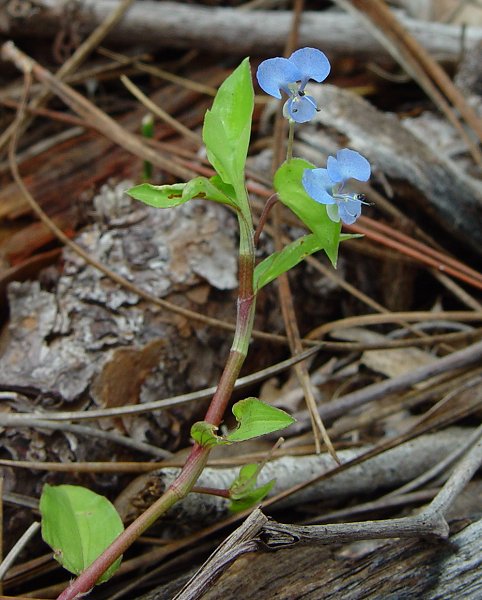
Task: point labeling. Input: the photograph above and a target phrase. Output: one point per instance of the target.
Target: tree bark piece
(170, 24)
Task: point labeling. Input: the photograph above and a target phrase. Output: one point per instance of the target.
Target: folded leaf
(287, 182)
(227, 126)
(204, 434)
(167, 196)
(159, 196)
(257, 418)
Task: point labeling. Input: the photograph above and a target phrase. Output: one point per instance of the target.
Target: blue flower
(290, 75)
(326, 185)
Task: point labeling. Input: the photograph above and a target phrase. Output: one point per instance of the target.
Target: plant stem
(197, 459)
(272, 200)
(291, 137)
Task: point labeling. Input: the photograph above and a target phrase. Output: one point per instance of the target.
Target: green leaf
(210, 189)
(245, 481)
(243, 490)
(284, 260)
(78, 525)
(227, 126)
(167, 196)
(287, 182)
(159, 196)
(350, 236)
(257, 418)
(204, 434)
(251, 498)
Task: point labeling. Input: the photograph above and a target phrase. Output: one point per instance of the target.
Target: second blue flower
(290, 75)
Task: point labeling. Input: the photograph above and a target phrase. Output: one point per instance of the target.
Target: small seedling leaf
(257, 418)
(251, 498)
(243, 490)
(78, 525)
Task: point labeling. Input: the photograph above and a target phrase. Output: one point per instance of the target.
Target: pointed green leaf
(159, 196)
(257, 418)
(245, 481)
(200, 187)
(243, 490)
(284, 260)
(204, 434)
(167, 196)
(287, 182)
(227, 126)
(251, 498)
(78, 525)
(218, 148)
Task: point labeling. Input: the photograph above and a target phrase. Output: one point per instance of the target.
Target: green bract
(287, 182)
(204, 434)
(78, 525)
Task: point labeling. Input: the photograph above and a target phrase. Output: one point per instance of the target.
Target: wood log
(397, 569)
(261, 32)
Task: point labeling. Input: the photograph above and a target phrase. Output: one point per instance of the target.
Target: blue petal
(301, 108)
(317, 182)
(312, 63)
(275, 74)
(349, 211)
(333, 170)
(351, 164)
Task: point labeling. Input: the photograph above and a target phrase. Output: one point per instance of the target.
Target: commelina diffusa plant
(83, 528)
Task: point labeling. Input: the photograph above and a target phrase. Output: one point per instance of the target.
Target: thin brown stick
(17, 548)
(35, 421)
(161, 113)
(77, 58)
(395, 317)
(86, 110)
(439, 467)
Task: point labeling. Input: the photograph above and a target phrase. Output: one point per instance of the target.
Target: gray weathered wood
(171, 24)
(386, 471)
(399, 569)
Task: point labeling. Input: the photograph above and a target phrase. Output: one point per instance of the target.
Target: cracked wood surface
(171, 24)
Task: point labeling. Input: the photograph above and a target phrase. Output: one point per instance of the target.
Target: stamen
(363, 199)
